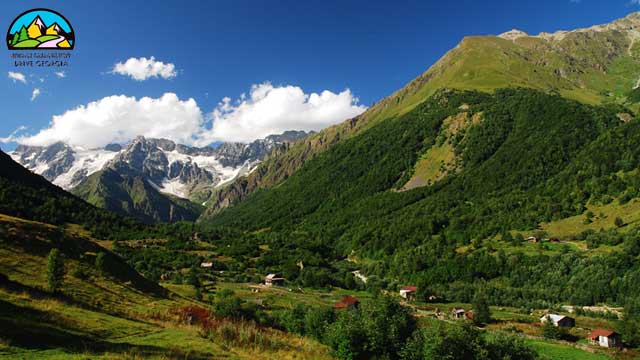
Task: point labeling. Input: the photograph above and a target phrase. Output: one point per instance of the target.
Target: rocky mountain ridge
(172, 168)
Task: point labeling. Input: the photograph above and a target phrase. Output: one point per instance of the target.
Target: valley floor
(103, 316)
(511, 321)
(97, 316)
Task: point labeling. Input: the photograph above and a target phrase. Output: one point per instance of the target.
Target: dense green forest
(534, 157)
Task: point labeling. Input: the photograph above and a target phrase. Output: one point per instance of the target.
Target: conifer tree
(23, 34)
(55, 270)
(481, 311)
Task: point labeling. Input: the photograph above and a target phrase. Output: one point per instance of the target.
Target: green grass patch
(27, 44)
(44, 38)
(604, 218)
(556, 351)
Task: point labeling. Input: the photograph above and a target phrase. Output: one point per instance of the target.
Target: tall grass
(245, 334)
(235, 332)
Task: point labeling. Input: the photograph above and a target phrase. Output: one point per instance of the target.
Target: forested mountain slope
(27, 195)
(596, 65)
(531, 158)
(528, 148)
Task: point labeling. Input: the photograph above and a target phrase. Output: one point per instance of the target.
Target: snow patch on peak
(174, 187)
(513, 34)
(209, 163)
(87, 161)
(227, 175)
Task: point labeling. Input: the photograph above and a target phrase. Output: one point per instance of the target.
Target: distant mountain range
(151, 179)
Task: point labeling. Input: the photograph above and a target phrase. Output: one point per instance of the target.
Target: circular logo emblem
(40, 29)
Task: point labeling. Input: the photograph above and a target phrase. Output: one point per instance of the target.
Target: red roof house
(469, 315)
(347, 302)
(408, 292)
(605, 338)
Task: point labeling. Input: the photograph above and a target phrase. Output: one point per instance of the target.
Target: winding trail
(52, 43)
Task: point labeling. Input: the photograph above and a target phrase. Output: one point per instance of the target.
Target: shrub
(378, 328)
(445, 341)
(244, 334)
(101, 262)
(193, 277)
(317, 320)
(80, 272)
(502, 347)
(481, 311)
(228, 307)
(550, 331)
(293, 319)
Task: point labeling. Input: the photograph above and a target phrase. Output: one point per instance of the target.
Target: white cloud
(35, 93)
(16, 76)
(272, 110)
(266, 110)
(60, 74)
(12, 136)
(142, 69)
(120, 118)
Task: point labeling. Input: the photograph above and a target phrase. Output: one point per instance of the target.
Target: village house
(559, 320)
(273, 279)
(457, 313)
(347, 302)
(532, 239)
(605, 338)
(207, 265)
(469, 315)
(409, 292)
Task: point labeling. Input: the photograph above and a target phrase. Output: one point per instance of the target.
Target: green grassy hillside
(113, 314)
(594, 66)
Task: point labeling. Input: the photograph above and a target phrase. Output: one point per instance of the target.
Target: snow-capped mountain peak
(172, 168)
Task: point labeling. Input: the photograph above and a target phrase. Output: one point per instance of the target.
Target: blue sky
(221, 48)
(47, 17)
